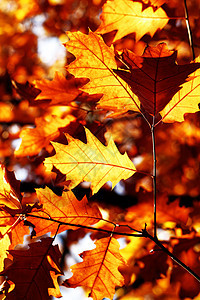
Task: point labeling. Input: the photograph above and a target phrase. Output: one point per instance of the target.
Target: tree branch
(189, 29)
(154, 174)
(142, 233)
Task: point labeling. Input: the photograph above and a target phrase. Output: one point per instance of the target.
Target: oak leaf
(186, 100)
(9, 189)
(92, 162)
(96, 61)
(26, 90)
(118, 13)
(154, 265)
(34, 271)
(47, 129)
(99, 269)
(60, 90)
(159, 78)
(4, 246)
(13, 227)
(65, 208)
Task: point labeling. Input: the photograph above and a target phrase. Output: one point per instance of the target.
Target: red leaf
(34, 271)
(159, 78)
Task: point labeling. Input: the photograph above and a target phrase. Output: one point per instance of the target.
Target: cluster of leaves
(97, 123)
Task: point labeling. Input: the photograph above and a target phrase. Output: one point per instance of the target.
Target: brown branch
(142, 233)
(189, 29)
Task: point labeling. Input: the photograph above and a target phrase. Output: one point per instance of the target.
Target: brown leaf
(159, 78)
(34, 271)
(186, 100)
(187, 250)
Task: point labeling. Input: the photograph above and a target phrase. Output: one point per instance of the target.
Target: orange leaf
(99, 269)
(92, 162)
(47, 129)
(34, 270)
(140, 213)
(159, 78)
(64, 209)
(118, 13)
(9, 189)
(96, 61)
(60, 90)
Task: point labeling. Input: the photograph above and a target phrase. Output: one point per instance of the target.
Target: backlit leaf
(128, 16)
(96, 61)
(186, 100)
(60, 90)
(99, 269)
(65, 208)
(159, 78)
(9, 189)
(92, 162)
(47, 129)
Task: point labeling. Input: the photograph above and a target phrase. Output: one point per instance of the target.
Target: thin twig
(143, 233)
(189, 29)
(154, 174)
(87, 227)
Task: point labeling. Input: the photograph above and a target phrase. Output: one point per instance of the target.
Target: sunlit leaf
(128, 16)
(92, 162)
(158, 79)
(99, 269)
(47, 129)
(65, 208)
(96, 61)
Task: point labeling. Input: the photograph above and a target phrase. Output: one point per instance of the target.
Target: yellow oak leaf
(99, 269)
(92, 162)
(128, 16)
(96, 61)
(186, 100)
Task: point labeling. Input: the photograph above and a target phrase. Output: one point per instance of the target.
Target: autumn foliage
(102, 144)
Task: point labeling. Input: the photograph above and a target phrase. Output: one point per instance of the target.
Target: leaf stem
(189, 29)
(154, 174)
